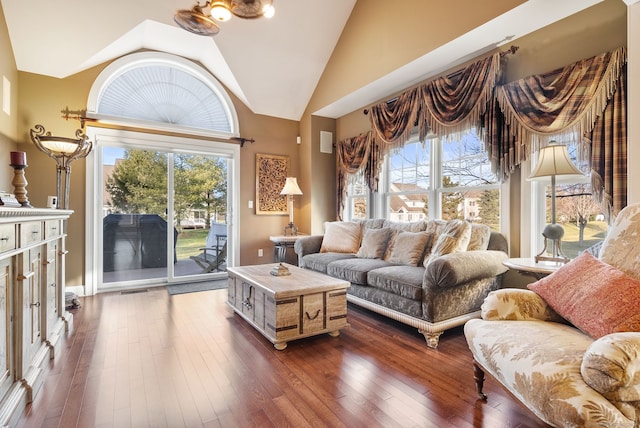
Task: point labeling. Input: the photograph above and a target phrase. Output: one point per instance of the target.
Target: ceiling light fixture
(197, 21)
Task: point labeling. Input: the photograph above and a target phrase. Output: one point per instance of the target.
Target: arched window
(160, 89)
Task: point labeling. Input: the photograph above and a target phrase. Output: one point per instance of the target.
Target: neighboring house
(409, 205)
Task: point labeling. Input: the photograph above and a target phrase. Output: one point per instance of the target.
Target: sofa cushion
(374, 243)
(454, 238)
(480, 236)
(409, 247)
(320, 261)
(354, 270)
(405, 281)
(594, 296)
(341, 237)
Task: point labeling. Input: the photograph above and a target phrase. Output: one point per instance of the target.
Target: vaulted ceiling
(272, 65)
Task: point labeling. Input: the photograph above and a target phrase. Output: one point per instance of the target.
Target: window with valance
(584, 101)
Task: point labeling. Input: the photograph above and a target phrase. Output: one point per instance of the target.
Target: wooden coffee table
(284, 308)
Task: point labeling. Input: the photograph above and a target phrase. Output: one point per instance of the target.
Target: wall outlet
(260, 253)
(250, 204)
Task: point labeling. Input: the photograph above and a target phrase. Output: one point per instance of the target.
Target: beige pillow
(341, 237)
(454, 238)
(374, 243)
(480, 235)
(409, 247)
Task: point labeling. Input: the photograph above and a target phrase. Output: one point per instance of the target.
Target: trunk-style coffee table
(284, 308)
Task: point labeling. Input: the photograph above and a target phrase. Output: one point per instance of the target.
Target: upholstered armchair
(569, 347)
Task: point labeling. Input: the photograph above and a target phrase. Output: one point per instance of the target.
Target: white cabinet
(32, 313)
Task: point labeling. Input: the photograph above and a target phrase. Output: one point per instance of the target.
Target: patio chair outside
(214, 255)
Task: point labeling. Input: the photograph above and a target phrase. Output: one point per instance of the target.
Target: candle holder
(20, 185)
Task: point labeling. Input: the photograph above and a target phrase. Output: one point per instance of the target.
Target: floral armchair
(569, 347)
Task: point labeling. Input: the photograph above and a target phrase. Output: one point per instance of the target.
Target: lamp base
(553, 234)
(290, 230)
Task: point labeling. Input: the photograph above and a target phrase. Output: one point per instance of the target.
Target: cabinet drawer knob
(36, 304)
(4, 238)
(53, 284)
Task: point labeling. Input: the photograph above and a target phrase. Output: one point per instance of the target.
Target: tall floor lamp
(64, 151)
(553, 160)
(290, 189)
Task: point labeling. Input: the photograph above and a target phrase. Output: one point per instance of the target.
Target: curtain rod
(512, 50)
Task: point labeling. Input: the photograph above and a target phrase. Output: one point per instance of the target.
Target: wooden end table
(284, 308)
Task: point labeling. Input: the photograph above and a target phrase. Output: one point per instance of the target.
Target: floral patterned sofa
(569, 347)
(432, 275)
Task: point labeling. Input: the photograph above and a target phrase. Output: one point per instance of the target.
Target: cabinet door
(29, 301)
(6, 328)
(51, 289)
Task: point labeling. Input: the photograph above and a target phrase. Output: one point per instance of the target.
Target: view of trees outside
(580, 216)
(138, 185)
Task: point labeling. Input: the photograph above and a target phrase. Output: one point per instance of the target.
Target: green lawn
(594, 231)
(189, 242)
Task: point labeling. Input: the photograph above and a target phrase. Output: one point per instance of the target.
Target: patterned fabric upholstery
(564, 376)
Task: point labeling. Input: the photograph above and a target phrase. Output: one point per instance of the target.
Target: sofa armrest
(517, 304)
(307, 245)
(611, 366)
(454, 269)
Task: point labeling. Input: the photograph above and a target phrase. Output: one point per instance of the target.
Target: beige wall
(8, 122)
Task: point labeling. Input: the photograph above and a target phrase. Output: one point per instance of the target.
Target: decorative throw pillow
(454, 238)
(620, 247)
(374, 243)
(594, 296)
(341, 237)
(409, 247)
(480, 235)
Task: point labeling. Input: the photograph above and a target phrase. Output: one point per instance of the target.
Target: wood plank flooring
(148, 359)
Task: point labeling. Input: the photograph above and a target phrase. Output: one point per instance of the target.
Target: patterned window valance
(565, 105)
(443, 106)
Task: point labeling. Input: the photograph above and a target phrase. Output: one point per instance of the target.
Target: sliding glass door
(161, 215)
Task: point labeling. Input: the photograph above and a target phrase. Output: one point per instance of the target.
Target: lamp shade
(291, 187)
(59, 144)
(554, 160)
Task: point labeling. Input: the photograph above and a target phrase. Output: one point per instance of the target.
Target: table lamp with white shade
(553, 160)
(290, 189)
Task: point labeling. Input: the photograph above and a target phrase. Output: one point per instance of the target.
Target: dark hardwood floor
(148, 359)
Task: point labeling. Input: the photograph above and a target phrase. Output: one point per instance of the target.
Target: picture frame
(271, 176)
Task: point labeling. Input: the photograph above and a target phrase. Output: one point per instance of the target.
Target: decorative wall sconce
(290, 189)
(64, 151)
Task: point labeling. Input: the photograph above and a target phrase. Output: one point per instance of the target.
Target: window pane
(579, 215)
(358, 208)
(465, 163)
(408, 207)
(476, 206)
(410, 165)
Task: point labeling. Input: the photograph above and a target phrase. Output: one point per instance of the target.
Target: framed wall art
(271, 175)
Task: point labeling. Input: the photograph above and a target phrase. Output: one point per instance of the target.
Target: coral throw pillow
(341, 237)
(594, 296)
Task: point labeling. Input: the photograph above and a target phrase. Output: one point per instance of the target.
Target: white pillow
(341, 237)
(454, 238)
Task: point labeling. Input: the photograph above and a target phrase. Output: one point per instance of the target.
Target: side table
(528, 265)
(280, 245)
